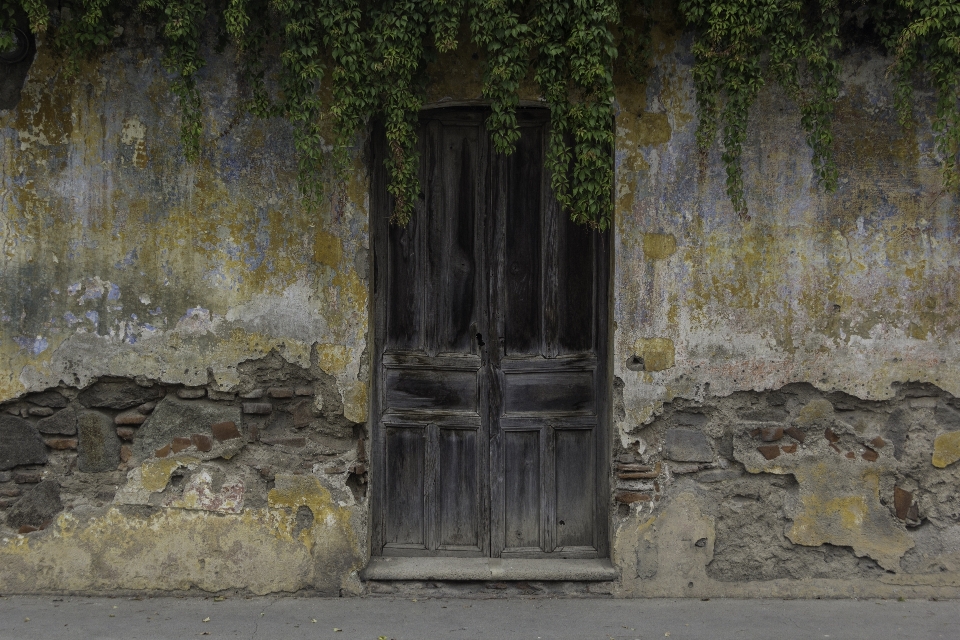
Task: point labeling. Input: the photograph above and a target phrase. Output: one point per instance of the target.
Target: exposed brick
(870, 455)
(179, 444)
(126, 453)
(6, 503)
(769, 451)
(25, 529)
(831, 436)
(641, 475)
(255, 394)
(202, 442)
(257, 408)
(835, 448)
(225, 431)
(147, 407)
(878, 443)
(629, 497)
(634, 467)
(188, 393)
(789, 448)
(850, 454)
(221, 396)
(333, 470)
(358, 469)
(796, 434)
(61, 444)
(901, 502)
(11, 492)
(280, 392)
(162, 452)
(361, 450)
(40, 412)
(134, 418)
(771, 434)
(126, 433)
(304, 391)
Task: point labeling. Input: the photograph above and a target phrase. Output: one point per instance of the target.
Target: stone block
(280, 392)
(126, 433)
(191, 394)
(147, 408)
(27, 477)
(12, 492)
(51, 399)
(20, 443)
(304, 391)
(37, 507)
(40, 412)
(98, 449)
(175, 417)
(117, 395)
(255, 394)
(63, 422)
(687, 445)
(5, 476)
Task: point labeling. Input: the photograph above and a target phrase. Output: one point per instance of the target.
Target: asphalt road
(393, 618)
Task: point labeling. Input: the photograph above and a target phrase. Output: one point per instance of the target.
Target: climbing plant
(345, 62)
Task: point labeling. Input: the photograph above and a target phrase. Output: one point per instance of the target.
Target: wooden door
(490, 383)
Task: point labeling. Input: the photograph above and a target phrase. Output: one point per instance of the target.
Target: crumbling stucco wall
(182, 346)
(784, 384)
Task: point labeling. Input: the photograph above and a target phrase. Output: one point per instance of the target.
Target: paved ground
(379, 618)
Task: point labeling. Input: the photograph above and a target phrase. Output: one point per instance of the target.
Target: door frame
(379, 213)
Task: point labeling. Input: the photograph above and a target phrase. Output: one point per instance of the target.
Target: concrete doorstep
(382, 618)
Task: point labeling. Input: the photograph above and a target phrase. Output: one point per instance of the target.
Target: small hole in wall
(702, 542)
(690, 585)
(635, 363)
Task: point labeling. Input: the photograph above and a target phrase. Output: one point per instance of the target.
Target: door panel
(490, 348)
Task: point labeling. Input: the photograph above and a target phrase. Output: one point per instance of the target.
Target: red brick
(878, 443)
(870, 455)
(134, 418)
(126, 433)
(830, 435)
(126, 452)
(179, 444)
(771, 434)
(61, 444)
(225, 431)
(202, 442)
(851, 455)
(789, 448)
(796, 434)
(27, 529)
(901, 502)
(289, 442)
(163, 451)
(769, 451)
(629, 497)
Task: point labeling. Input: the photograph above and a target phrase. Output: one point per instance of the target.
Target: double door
(490, 384)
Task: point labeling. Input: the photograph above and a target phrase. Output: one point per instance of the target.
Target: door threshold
(472, 569)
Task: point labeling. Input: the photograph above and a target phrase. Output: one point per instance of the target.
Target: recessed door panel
(458, 489)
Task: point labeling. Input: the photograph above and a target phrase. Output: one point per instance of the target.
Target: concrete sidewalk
(373, 618)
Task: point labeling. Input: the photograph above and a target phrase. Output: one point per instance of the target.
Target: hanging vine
(343, 62)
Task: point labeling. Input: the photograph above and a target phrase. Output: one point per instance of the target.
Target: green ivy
(344, 62)
(743, 43)
(931, 41)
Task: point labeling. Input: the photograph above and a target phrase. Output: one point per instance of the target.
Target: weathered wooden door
(490, 382)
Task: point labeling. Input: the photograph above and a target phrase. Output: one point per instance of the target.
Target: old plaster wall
(784, 383)
(196, 335)
(183, 378)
